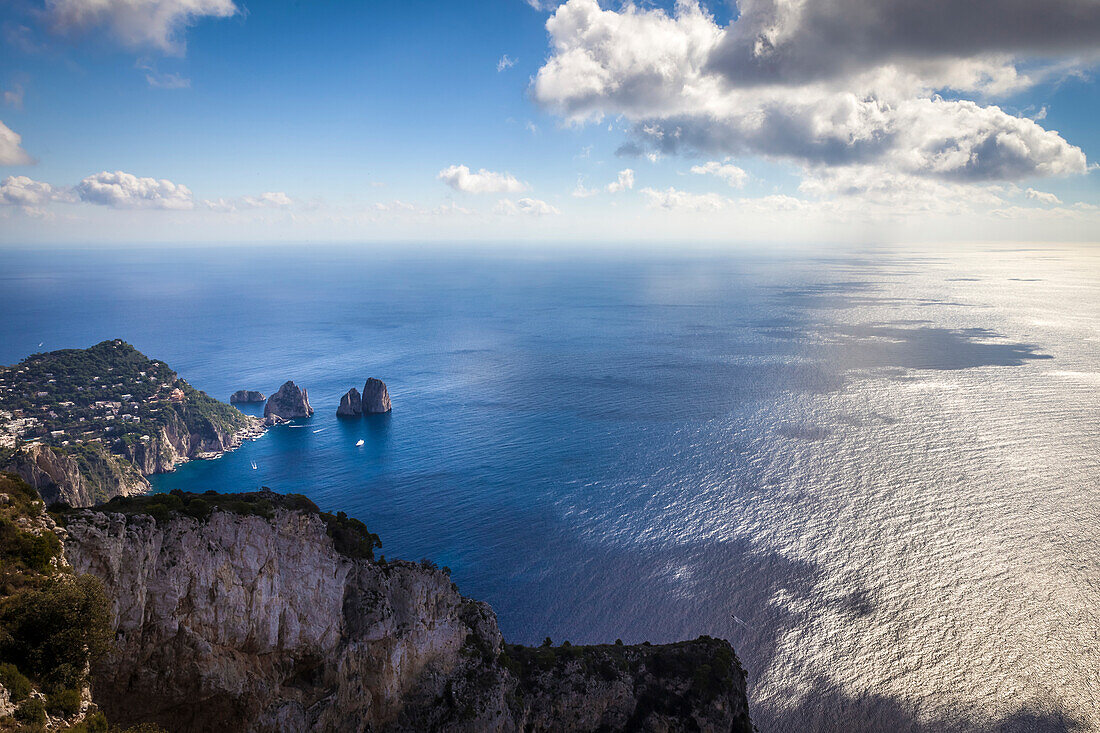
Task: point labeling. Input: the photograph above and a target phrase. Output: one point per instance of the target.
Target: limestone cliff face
(245, 623)
(58, 477)
(246, 396)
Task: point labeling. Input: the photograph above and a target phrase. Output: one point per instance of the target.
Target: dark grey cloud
(788, 42)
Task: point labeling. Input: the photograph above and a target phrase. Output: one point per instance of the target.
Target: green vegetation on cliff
(350, 536)
(53, 623)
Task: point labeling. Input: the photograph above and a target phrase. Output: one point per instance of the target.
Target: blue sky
(216, 120)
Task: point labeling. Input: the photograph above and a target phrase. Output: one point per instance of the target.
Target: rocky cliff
(351, 404)
(246, 396)
(254, 622)
(289, 402)
(376, 399)
(177, 442)
(80, 479)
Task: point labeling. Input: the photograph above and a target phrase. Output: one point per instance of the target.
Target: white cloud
(506, 62)
(11, 151)
(167, 81)
(624, 182)
(582, 192)
(14, 97)
(670, 75)
(527, 206)
(270, 200)
(125, 191)
(460, 178)
(1044, 198)
(673, 199)
(728, 172)
(137, 23)
(543, 6)
(28, 195)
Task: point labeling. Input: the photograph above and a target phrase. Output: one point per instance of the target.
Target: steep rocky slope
(271, 616)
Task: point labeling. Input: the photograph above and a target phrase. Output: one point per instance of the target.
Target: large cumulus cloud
(688, 84)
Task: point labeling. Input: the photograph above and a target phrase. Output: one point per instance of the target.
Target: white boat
(318, 430)
(254, 466)
(360, 443)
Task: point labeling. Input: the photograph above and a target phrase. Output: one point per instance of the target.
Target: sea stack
(288, 403)
(246, 396)
(351, 404)
(375, 397)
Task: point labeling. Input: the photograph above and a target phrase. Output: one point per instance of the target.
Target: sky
(756, 121)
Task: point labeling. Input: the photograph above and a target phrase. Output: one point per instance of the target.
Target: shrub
(53, 632)
(65, 703)
(32, 711)
(15, 681)
(93, 723)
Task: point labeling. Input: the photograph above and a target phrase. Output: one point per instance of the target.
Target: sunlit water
(885, 464)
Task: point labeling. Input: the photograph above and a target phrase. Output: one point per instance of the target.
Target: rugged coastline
(85, 425)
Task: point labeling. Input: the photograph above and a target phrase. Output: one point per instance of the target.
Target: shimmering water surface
(885, 463)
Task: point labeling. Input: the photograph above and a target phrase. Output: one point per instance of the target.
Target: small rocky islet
(375, 400)
(289, 403)
(246, 397)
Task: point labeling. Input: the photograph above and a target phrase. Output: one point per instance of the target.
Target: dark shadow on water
(826, 707)
(926, 347)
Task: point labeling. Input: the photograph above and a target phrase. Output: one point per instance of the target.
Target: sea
(874, 470)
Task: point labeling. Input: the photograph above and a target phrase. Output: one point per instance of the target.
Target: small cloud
(674, 200)
(729, 173)
(1042, 197)
(168, 81)
(147, 24)
(29, 195)
(506, 62)
(21, 38)
(543, 6)
(14, 97)
(461, 178)
(11, 150)
(532, 127)
(525, 206)
(126, 191)
(581, 192)
(624, 182)
(269, 200)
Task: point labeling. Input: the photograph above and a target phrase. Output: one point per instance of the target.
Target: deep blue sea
(885, 463)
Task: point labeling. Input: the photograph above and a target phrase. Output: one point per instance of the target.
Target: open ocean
(885, 463)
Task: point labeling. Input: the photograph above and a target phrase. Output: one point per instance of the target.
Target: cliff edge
(258, 612)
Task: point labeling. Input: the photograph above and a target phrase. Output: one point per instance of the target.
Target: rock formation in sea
(245, 396)
(351, 404)
(279, 619)
(289, 402)
(375, 397)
